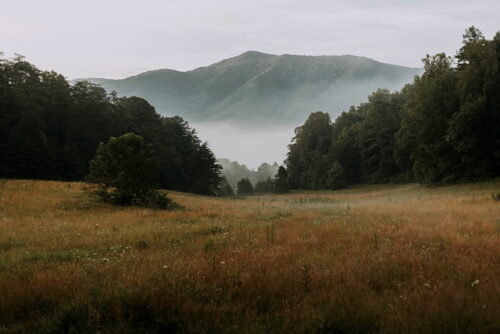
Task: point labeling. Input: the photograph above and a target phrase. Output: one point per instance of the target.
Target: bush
(124, 172)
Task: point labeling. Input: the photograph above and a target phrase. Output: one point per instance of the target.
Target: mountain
(261, 88)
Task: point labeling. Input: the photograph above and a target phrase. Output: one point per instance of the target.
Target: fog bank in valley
(249, 146)
(263, 130)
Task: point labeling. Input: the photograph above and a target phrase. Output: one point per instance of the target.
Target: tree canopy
(125, 171)
(281, 184)
(245, 187)
(442, 128)
(50, 129)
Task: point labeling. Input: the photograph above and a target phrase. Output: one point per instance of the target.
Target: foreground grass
(370, 259)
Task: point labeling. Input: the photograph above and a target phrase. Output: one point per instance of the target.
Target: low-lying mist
(248, 145)
(264, 130)
(248, 106)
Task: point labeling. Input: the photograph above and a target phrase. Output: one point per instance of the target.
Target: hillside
(263, 88)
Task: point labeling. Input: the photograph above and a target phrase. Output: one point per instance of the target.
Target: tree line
(234, 171)
(442, 128)
(278, 184)
(50, 129)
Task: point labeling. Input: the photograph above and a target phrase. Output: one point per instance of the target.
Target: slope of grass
(370, 259)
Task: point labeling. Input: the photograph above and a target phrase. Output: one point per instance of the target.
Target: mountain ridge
(262, 88)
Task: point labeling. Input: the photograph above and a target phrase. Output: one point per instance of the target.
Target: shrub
(124, 172)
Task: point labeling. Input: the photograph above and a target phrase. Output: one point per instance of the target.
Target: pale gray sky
(118, 38)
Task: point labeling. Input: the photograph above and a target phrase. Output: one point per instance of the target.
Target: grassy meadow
(371, 259)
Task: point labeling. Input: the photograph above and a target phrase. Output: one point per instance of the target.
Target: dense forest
(50, 129)
(442, 128)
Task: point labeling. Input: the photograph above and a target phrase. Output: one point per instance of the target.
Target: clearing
(392, 258)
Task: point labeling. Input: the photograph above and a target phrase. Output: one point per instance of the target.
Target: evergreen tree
(245, 187)
(281, 181)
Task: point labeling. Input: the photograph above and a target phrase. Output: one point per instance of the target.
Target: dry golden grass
(386, 259)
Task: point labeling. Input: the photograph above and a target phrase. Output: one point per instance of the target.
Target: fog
(247, 145)
(265, 137)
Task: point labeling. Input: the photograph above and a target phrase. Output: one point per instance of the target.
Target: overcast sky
(119, 38)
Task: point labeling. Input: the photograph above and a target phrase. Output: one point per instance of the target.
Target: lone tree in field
(125, 171)
(245, 187)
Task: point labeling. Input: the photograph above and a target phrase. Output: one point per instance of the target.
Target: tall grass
(385, 259)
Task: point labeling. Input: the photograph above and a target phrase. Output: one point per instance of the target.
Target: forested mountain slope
(262, 88)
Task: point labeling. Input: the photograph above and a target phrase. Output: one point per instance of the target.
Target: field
(391, 259)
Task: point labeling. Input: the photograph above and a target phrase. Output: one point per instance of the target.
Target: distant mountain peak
(254, 54)
(262, 88)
